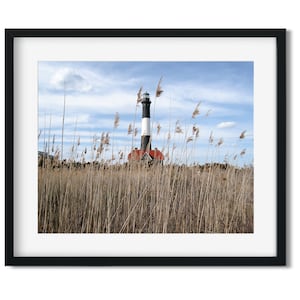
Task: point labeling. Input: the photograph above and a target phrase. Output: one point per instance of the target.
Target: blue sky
(95, 91)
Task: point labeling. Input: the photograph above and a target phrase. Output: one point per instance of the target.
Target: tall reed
(141, 199)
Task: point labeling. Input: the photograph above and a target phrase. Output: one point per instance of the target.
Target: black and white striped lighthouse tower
(146, 134)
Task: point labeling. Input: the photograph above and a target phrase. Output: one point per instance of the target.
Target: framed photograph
(145, 147)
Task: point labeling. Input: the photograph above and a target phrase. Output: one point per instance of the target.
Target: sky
(93, 92)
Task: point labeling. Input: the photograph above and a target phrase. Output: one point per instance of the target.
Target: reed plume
(102, 139)
(106, 139)
(189, 139)
(211, 139)
(196, 111)
(158, 128)
(178, 129)
(117, 120)
(242, 135)
(53, 142)
(159, 90)
(196, 131)
(129, 130)
(139, 96)
(208, 113)
(100, 149)
(220, 142)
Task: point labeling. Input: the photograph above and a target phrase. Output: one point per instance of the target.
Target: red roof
(138, 154)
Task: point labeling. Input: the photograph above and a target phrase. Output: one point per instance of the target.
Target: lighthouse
(146, 135)
(145, 152)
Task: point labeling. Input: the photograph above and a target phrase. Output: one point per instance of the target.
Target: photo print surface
(145, 147)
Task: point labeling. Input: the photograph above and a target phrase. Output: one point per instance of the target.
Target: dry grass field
(140, 199)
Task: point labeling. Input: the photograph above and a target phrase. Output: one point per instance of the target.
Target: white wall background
(162, 283)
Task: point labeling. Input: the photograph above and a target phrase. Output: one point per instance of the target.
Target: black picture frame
(10, 167)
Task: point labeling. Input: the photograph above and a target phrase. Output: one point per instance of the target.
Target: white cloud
(226, 124)
(70, 80)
